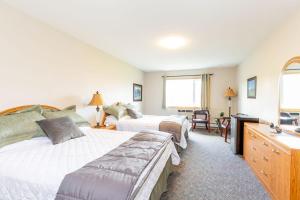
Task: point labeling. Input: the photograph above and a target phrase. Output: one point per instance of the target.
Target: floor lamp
(229, 93)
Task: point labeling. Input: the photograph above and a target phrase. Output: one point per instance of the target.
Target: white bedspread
(33, 169)
(150, 122)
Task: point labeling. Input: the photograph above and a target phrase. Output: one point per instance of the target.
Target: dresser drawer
(275, 159)
(265, 171)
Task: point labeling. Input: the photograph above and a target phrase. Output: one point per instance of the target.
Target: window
(183, 93)
(290, 96)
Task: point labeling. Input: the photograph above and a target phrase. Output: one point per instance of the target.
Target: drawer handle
(276, 151)
(254, 148)
(266, 144)
(253, 160)
(266, 159)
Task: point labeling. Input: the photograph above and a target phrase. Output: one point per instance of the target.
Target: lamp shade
(230, 92)
(97, 100)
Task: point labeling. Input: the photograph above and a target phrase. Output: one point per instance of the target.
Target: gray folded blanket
(115, 175)
(173, 125)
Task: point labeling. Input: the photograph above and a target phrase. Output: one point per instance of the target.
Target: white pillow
(110, 120)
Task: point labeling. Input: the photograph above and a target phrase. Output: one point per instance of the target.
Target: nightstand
(111, 127)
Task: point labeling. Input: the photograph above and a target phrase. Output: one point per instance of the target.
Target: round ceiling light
(172, 42)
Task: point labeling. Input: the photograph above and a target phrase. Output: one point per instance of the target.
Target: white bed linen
(150, 122)
(33, 169)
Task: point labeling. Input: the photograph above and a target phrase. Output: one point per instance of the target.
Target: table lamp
(229, 93)
(97, 100)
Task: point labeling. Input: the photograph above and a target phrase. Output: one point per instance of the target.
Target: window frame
(194, 93)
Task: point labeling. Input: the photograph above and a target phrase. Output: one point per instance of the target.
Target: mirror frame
(289, 62)
(283, 71)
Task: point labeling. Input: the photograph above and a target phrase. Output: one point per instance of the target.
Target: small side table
(110, 127)
(223, 124)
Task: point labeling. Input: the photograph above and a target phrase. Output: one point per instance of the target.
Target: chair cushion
(200, 120)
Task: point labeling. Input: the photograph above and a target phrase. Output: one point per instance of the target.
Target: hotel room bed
(34, 169)
(92, 165)
(154, 122)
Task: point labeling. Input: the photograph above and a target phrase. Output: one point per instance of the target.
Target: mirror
(290, 94)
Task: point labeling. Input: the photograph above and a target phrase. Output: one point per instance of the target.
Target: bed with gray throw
(177, 125)
(118, 170)
(102, 164)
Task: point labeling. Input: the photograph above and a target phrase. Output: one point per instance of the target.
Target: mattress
(33, 169)
(150, 122)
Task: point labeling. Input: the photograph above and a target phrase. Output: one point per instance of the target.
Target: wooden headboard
(16, 109)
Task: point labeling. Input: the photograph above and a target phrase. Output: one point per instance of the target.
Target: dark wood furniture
(201, 117)
(223, 126)
(237, 131)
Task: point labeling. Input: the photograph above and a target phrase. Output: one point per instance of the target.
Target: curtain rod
(184, 75)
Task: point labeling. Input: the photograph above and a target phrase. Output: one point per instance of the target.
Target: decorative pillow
(60, 129)
(116, 110)
(20, 126)
(73, 108)
(134, 113)
(130, 106)
(77, 119)
(110, 120)
(36, 108)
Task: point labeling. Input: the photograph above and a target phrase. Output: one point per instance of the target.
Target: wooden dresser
(275, 159)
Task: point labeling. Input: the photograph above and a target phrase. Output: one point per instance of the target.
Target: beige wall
(266, 63)
(222, 78)
(40, 65)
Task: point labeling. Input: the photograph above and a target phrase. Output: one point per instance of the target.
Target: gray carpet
(210, 171)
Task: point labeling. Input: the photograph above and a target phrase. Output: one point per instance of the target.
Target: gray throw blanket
(173, 125)
(115, 175)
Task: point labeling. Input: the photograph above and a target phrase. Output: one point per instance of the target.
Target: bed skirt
(162, 183)
(179, 148)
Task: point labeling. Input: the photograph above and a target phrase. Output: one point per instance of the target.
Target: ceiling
(220, 33)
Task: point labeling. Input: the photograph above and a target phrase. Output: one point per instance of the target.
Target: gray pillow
(60, 130)
(21, 126)
(77, 119)
(134, 113)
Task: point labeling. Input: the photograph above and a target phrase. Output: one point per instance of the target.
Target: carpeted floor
(210, 171)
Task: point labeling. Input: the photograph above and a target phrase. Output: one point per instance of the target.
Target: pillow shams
(60, 130)
(36, 108)
(134, 113)
(21, 126)
(116, 110)
(77, 119)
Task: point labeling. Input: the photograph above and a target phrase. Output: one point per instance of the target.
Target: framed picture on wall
(251, 87)
(137, 92)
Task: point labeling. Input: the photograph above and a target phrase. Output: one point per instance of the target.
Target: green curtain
(205, 91)
(164, 92)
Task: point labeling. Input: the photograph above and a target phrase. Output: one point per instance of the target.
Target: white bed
(150, 122)
(33, 169)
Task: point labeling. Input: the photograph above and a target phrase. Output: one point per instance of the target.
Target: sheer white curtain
(187, 91)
